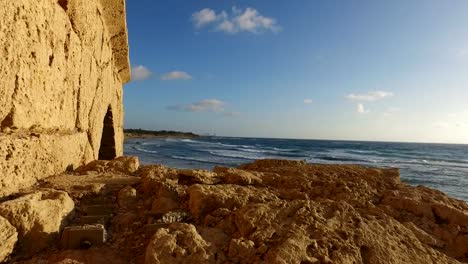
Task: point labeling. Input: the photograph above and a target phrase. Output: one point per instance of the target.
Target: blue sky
(353, 70)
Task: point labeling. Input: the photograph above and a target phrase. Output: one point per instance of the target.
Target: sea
(440, 166)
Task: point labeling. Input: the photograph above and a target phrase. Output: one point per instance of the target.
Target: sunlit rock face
(62, 67)
(278, 211)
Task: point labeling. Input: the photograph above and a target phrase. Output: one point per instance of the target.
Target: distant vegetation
(141, 133)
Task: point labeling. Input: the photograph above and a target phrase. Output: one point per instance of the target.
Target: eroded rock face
(120, 164)
(8, 238)
(180, 243)
(62, 68)
(38, 217)
(273, 211)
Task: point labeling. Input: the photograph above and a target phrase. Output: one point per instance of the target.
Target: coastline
(146, 136)
(143, 134)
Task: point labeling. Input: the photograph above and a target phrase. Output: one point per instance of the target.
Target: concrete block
(83, 237)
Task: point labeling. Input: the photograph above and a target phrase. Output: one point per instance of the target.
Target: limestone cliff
(62, 67)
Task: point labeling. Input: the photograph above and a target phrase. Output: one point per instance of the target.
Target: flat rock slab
(79, 186)
(83, 237)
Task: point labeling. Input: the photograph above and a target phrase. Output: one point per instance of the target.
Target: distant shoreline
(141, 133)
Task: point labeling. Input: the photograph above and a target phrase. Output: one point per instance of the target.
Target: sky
(346, 70)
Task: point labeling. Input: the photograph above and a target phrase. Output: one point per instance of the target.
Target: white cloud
(176, 75)
(227, 26)
(307, 101)
(248, 20)
(360, 109)
(140, 73)
(370, 96)
(207, 105)
(203, 17)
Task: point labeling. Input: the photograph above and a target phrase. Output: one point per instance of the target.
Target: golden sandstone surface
(269, 211)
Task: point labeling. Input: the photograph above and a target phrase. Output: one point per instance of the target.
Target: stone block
(83, 237)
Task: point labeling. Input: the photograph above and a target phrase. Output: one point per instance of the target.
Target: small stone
(127, 197)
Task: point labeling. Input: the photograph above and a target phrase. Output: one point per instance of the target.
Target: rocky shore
(269, 211)
(140, 133)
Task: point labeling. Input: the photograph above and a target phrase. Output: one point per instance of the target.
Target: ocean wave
(189, 140)
(344, 159)
(201, 160)
(144, 150)
(253, 150)
(428, 162)
(237, 155)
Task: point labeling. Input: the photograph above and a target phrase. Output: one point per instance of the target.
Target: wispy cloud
(207, 105)
(370, 96)
(175, 75)
(360, 109)
(248, 20)
(203, 17)
(307, 101)
(140, 73)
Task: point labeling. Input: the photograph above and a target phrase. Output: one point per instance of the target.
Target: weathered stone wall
(62, 67)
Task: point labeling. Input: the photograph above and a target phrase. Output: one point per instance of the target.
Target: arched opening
(107, 149)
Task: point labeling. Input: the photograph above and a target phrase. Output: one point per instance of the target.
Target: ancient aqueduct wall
(62, 67)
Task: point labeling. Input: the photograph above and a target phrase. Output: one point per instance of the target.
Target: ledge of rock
(269, 211)
(292, 212)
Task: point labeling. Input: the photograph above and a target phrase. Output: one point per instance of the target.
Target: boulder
(236, 176)
(179, 243)
(189, 177)
(8, 238)
(38, 217)
(205, 198)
